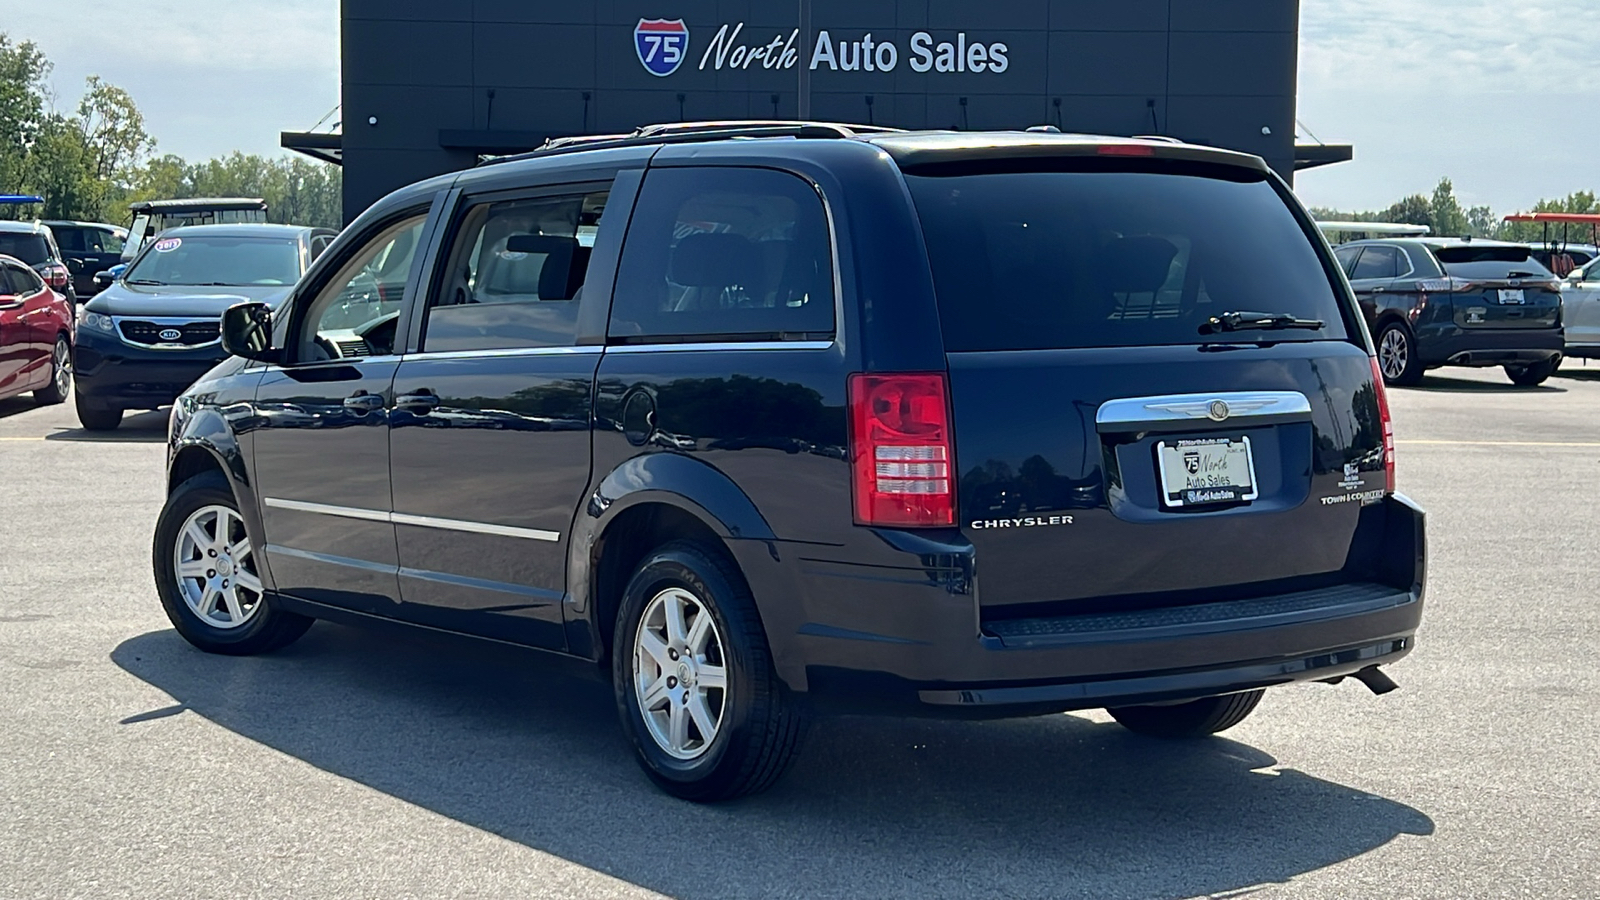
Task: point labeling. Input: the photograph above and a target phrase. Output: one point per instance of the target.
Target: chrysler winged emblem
(1215, 409)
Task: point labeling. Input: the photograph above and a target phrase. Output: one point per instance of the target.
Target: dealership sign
(663, 44)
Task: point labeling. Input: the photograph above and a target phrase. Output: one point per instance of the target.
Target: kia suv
(1459, 302)
(775, 420)
(145, 339)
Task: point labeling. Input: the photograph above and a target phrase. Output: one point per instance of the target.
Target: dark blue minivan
(771, 420)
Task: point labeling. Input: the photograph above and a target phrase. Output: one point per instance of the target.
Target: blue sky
(1500, 96)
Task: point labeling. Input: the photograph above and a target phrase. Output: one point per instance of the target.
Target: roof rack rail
(695, 132)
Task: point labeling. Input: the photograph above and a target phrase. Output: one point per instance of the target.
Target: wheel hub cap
(679, 673)
(215, 568)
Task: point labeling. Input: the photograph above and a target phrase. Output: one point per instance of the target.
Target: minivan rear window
(1064, 259)
(1491, 262)
(26, 246)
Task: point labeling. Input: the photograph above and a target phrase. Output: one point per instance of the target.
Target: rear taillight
(57, 276)
(1387, 424)
(900, 450)
(1451, 285)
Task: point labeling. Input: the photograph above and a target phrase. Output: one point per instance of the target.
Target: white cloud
(210, 76)
(1496, 95)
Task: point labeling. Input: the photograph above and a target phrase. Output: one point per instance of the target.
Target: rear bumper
(112, 373)
(908, 640)
(1497, 347)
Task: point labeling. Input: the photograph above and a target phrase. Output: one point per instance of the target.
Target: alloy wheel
(215, 568)
(62, 370)
(1394, 353)
(680, 675)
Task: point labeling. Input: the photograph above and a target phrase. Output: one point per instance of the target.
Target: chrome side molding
(399, 518)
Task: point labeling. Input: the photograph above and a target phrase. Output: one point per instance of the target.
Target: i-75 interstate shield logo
(661, 44)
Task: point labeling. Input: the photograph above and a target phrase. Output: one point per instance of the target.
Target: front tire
(208, 577)
(95, 417)
(1195, 719)
(1533, 375)
(60, 376)
(695, 686)
(1397, 355)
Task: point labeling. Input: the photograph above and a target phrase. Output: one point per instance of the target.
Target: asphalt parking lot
(369, 764)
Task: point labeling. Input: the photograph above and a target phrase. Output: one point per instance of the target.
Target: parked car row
(1432, 302)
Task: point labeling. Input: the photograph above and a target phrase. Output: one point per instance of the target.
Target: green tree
(1413, 210)
(58, 168)
(1446, 217)
(23, 69)
(113, 129)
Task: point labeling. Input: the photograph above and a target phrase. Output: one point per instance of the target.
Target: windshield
(1491, 262)
(217, 260)
(1038, 260)
(30, 248)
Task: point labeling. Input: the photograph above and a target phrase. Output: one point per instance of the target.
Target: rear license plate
(1204, 471)
(1511, 296)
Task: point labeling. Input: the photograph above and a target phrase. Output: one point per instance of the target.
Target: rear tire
(665, 682)
(1397, 355)
(60, 376)
(1533, 375)
(1195, 719)
(95, 417)
(207, 575)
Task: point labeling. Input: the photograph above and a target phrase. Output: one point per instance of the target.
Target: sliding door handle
(363, 402)
(418, 403)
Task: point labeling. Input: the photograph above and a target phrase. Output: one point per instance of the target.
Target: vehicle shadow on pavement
(1441, 385)
(140, 428)
(500, 739)
(12, 406)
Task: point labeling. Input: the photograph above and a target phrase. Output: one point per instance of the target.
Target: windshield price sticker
(167, 245)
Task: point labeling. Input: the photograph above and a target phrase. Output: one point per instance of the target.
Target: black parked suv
(1434, 302)
(89, 248)
(980, 424)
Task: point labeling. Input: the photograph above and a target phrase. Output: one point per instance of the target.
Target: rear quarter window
(1065, 259)
(724, 254)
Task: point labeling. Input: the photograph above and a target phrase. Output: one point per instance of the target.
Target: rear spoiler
(923, 150)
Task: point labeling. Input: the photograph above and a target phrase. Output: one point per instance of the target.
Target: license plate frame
(1512, 297)
(1222, 457)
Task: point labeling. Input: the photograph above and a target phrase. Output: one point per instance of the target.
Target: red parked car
(36, 331)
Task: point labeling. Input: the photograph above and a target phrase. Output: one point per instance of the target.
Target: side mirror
(247, 332)
(104, 279)
(76, 265)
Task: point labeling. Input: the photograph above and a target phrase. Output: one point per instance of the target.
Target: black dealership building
(432, 86)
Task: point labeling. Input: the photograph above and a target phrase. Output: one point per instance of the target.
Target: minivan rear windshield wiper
(1252, 321)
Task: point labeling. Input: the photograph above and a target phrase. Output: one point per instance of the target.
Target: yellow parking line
(1502, 443)
(21, 438)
